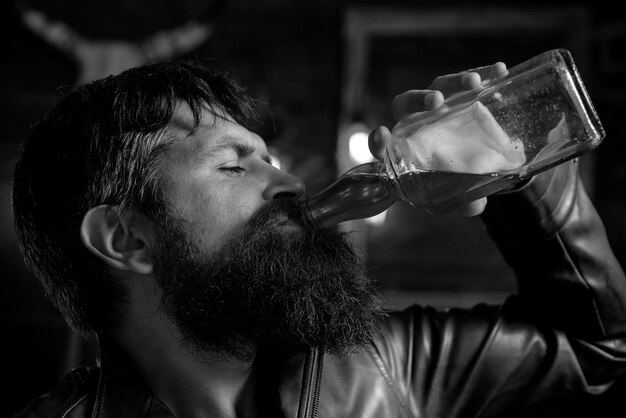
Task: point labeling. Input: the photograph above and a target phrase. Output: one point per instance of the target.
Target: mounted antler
(98, 58)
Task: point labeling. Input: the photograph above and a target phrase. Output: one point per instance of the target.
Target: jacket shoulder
(72, 397)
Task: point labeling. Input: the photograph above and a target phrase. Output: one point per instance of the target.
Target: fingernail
(374, 136)
(466, 79)
(429, 99)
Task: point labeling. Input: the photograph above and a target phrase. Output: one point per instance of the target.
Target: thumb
(378, 140)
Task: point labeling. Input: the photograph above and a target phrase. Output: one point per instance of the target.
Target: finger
(454, 83)
(469, 79)
(473, 209)
(415, 101)
(490, 71)
(378, 140)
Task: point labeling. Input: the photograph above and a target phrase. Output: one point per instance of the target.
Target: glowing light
(377, 220)
(358, 148)
(275, 160)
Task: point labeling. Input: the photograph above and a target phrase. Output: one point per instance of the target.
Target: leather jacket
(563, 334)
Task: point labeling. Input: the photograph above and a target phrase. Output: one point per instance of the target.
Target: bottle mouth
(307, 217)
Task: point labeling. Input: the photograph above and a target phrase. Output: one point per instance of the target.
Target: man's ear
(122, 239)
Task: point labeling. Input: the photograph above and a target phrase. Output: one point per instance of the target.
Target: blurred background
(327, 71)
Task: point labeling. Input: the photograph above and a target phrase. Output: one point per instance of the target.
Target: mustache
(275, 211)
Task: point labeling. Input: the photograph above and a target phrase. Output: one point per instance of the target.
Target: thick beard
(288, 289)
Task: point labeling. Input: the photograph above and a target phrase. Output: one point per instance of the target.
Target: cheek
(220, 217)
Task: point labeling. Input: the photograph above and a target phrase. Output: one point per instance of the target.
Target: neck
(192, 388)
(190, 384)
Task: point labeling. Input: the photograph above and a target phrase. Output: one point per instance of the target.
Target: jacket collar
(292, 381)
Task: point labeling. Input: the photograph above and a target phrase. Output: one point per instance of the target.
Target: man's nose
(283, 185)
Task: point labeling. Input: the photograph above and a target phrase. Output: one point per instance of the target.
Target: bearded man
(154, 218)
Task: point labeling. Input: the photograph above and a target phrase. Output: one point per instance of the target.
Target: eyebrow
(242, 149)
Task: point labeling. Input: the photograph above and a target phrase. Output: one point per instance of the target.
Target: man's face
(236, 264)
(219, 176)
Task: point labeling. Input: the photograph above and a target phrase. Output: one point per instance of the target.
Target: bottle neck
(363, 191)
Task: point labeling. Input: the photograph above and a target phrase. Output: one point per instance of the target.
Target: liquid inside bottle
(440, 192)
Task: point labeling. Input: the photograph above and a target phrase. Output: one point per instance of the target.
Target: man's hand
(414, 101)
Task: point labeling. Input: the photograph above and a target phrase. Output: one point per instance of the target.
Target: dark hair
(101, 144)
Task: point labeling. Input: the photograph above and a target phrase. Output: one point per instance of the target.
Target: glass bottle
(477, 143)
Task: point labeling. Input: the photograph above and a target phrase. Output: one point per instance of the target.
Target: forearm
(551, 235)
(563, 335)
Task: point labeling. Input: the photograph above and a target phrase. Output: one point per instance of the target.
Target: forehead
(213, 131)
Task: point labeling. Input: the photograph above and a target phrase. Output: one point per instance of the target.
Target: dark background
(301, 59)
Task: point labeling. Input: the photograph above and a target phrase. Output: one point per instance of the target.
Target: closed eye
(233, 169)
